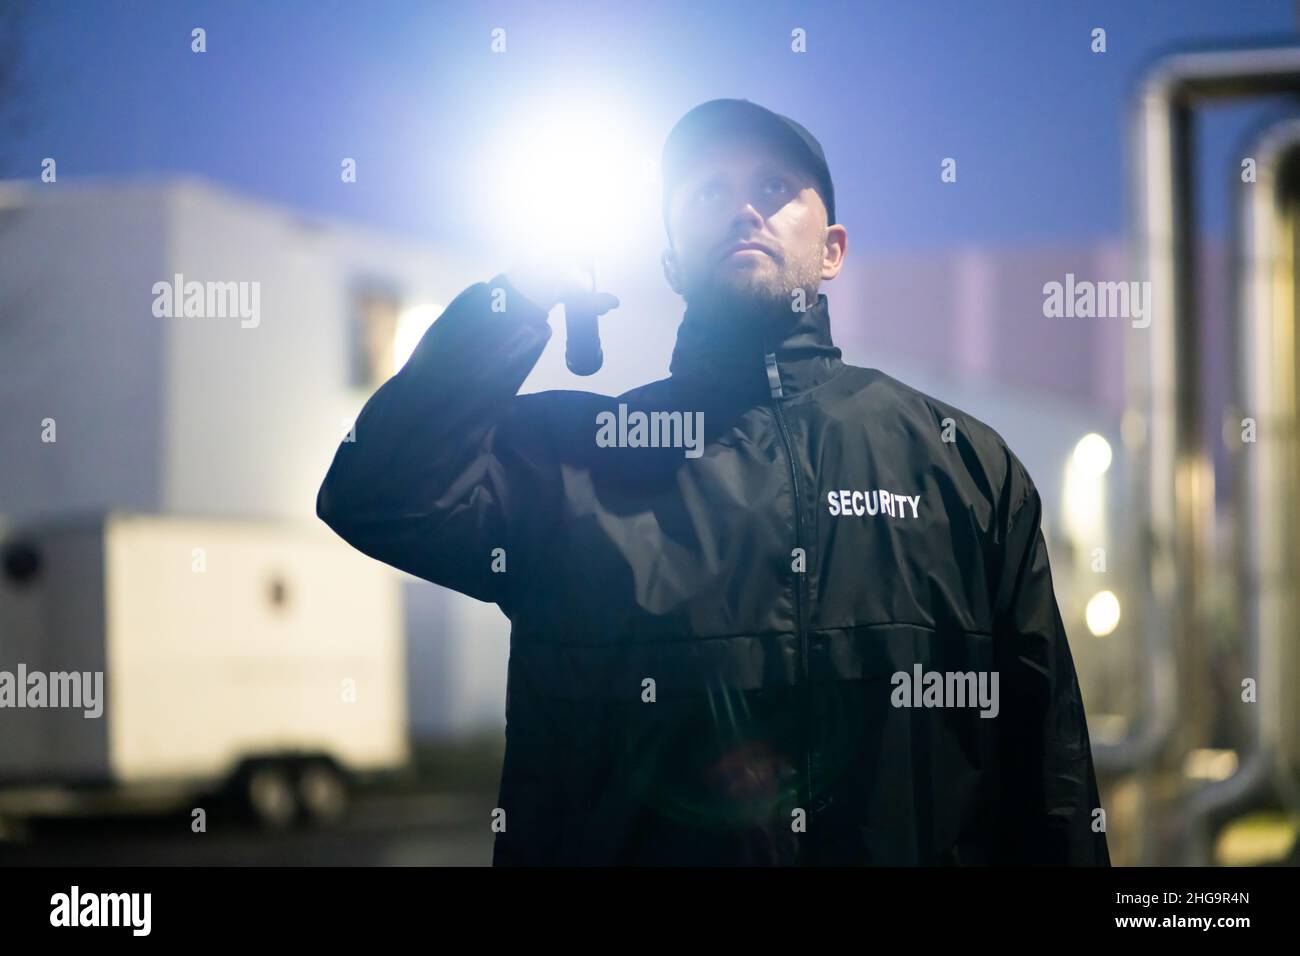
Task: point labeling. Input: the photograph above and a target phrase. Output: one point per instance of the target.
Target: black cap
(717, 120)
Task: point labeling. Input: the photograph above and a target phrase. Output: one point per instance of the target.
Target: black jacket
(709, 647)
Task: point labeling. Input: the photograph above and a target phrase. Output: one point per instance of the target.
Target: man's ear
(837, 247)
(671, 270)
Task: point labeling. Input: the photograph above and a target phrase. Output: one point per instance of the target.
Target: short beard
(745, 305)
(760, 301)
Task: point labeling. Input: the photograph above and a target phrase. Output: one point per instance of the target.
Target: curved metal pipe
(1174, 468)
(1266, 389)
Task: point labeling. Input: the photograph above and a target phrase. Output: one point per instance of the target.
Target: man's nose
(746, 214)
(745, 221)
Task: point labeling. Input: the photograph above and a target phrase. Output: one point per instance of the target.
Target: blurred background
(363, 163)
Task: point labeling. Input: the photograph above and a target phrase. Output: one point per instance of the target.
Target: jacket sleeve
(431, 481)
(1048, 787)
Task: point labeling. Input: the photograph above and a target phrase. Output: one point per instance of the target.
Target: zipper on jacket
(801, 634)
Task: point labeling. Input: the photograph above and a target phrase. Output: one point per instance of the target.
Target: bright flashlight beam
(572, 182)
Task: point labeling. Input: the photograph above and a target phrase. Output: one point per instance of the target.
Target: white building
(210, 416)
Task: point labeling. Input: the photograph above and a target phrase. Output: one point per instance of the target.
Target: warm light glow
(1084, 492)
(411, 326)
(1102, 613)
(1092, 454)
(1261, 837)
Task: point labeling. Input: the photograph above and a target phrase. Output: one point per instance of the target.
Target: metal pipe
(1175, 472)
(1266, 389)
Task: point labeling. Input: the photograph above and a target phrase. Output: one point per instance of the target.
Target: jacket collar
(728, 351)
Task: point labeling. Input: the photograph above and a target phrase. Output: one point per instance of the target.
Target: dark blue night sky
(411, 89)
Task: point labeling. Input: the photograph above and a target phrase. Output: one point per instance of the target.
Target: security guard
(708, 651)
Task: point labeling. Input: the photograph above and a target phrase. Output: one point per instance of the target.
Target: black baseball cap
(717, 120)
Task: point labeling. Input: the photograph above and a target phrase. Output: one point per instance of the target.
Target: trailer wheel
(268, 796)
(322, 792)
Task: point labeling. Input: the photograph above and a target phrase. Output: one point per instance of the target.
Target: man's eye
(777, 185)
(707, 193)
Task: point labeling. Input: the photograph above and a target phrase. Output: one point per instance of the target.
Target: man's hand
(545, 283)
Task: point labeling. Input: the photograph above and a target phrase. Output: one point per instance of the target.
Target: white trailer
(260, 657)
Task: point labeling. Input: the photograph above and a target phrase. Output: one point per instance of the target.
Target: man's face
(746, 192)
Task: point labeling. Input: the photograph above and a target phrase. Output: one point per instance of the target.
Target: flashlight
(582, 351)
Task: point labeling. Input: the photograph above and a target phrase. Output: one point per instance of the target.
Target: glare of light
(1092, 454)
(1084, 493)
(1257, 838)
(570, 179)
(1102, 613)
(411, 326)
(1210, 763)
